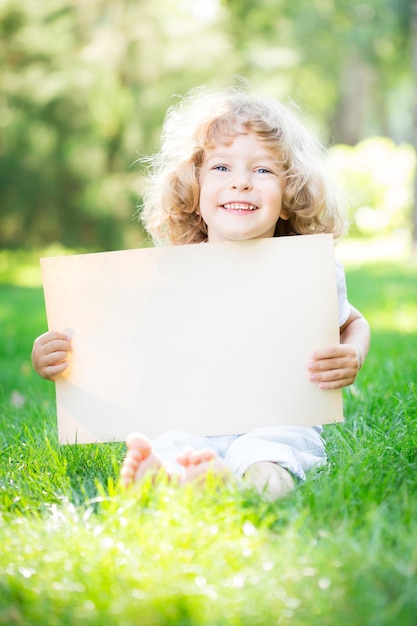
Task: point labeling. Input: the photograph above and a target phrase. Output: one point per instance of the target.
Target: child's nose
(242, 180)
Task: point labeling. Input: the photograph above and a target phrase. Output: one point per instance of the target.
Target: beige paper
(208, 338)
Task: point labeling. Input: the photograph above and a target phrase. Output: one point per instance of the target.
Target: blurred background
(85, 84)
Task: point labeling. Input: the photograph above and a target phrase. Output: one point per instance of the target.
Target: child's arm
(337, 366)
(49, 354)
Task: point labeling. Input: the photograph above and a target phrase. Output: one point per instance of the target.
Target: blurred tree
(44, 156)
(84, 88)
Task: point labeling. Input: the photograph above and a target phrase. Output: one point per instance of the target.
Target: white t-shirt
(343, 303)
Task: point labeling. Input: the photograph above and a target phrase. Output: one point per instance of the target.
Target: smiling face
(241, 187)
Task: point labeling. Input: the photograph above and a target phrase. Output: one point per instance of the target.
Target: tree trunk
(355, 83)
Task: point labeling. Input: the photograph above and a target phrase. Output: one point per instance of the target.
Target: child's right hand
(49, 354)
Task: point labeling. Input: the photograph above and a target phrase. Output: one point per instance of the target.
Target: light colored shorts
(295, 448)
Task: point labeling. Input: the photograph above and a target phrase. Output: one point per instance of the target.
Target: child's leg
(270, 479)
(268, 458)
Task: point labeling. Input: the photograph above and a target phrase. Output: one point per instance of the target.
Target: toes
(127, 475)
(135, 455)
(202, 456)
(190, 457)
(138, 446)
(209, 465)
(132, 462)
(185, 457)
(129, 468)
(138, 451)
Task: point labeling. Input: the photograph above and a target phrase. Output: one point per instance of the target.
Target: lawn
(341, 549)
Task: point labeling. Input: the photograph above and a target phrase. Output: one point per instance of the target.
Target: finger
(55, 358)
(336, 384)
(336, 374)
(50, 336)
(329, 352)
(57, 345)
(328, 364)
(52, 371)
(347, 375)
(50, 354)
(335, 379)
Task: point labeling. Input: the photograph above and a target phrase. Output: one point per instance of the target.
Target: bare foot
(199, 463)
(269, 479)
(139, 460)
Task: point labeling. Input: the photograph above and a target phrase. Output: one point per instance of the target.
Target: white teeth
(239, 206)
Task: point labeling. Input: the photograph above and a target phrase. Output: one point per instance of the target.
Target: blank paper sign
(208, 338)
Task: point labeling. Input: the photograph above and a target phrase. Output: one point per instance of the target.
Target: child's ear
(284, 215)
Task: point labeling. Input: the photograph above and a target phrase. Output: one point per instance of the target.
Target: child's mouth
(239, 206)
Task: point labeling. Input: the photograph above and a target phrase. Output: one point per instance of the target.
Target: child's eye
(220, 168)
(263, 170)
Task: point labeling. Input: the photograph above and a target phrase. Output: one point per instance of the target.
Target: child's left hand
(334, 367)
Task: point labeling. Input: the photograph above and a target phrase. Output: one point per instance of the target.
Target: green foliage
(340, 549)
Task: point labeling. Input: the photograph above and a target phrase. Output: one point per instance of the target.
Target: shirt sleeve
(342, 300)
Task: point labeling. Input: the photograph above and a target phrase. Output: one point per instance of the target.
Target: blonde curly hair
(170, 206)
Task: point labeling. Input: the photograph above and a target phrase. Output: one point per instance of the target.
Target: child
(233, 167)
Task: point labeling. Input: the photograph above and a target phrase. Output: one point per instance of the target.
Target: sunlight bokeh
(376, 177)
(203, 10)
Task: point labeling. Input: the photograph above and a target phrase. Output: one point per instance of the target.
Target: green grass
(341, 549)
